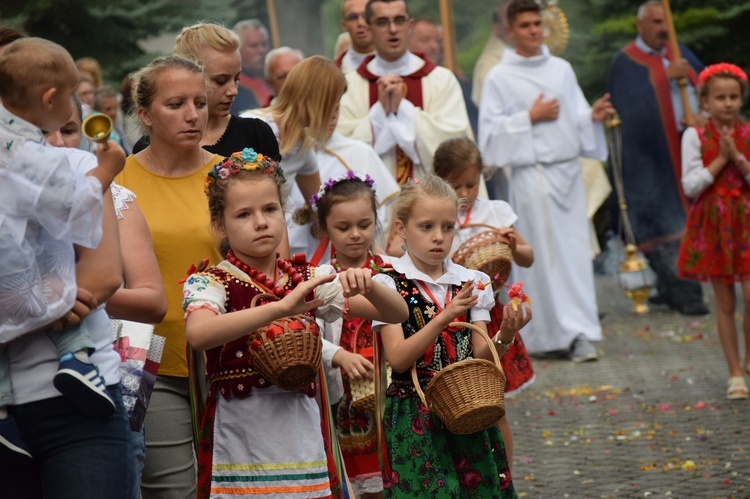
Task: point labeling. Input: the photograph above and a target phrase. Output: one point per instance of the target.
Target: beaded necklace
(369, 263)
(268, 283)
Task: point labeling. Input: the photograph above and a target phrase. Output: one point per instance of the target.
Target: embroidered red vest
(229, 367)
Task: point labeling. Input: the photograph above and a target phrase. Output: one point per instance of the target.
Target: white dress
(546, 186)
(270, 443)
(295, 161)
(46, 206)
(496, 213)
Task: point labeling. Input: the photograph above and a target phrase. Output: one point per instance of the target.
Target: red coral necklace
(268, 283)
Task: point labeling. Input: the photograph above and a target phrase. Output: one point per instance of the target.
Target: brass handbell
(97, 128)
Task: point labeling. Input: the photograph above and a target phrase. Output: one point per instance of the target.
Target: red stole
(412, 93)
(337, 60)
(661, 85)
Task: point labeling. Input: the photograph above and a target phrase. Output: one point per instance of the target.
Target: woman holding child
(39, 80)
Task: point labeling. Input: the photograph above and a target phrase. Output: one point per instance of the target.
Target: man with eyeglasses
(361, 45)
(402, 104)
(253, 91)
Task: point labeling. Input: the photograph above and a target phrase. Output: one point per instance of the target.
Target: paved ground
(649, 419)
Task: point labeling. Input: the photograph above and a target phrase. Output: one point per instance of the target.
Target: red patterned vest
(229, 367)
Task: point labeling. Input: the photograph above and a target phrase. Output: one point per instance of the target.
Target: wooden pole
(449, 34)
(682, 82)
(274, 23)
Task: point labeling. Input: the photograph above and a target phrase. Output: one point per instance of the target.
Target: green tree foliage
(710, 29)
(109, 30)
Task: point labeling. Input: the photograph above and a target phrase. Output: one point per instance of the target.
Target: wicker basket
(467, 396)
(487, 253)
(286, 352)
(363, 390)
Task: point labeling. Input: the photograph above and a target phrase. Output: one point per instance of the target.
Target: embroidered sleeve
(203, 290)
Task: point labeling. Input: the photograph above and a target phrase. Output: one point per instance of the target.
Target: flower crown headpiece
(333, 181)
(722, 69)
(247, 160)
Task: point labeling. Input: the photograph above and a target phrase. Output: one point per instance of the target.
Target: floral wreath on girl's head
(333, 181)
(247, 160)
(722, 69)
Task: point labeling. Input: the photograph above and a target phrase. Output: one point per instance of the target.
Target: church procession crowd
(253, 203)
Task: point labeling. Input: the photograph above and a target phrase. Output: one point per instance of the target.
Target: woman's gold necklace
(153, 168)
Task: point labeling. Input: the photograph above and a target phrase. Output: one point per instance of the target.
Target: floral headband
(333, 181)
(722, 69)
(247, 160)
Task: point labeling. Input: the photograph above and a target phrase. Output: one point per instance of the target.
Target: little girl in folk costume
(346, 209)
(459, 162)
(423, 457)
(715, 173)
(257, 440)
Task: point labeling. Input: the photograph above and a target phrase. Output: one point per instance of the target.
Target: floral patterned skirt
(426, 460)
(716, 244)
(516, 363)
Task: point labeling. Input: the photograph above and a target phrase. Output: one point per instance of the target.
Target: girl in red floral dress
(346, 207)
(715, 173)
(459, 162)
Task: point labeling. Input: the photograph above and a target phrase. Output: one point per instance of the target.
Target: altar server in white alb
(399, 102)
(534, 119)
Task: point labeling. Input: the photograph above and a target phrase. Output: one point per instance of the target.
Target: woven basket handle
(475, 329)
(261, 296)
(486, 226)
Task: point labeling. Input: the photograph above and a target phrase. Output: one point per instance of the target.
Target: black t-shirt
(240, 133)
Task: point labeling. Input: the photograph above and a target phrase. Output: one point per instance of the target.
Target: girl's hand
(727, 147)
(354, 365)
(513, 321)
(460, 303)
(355, 282)
(727, 141)
(296, 303)
(509, 238)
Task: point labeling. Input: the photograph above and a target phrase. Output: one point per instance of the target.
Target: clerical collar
(510, 56)
(404, 65)
(356, 58)
(648, 50)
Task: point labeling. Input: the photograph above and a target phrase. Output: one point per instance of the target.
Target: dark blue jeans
(75, 457)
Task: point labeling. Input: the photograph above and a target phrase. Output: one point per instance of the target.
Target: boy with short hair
(535, 120)
(46, 206)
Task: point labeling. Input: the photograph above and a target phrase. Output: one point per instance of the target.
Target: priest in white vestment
(398, 102)
(535, 120)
